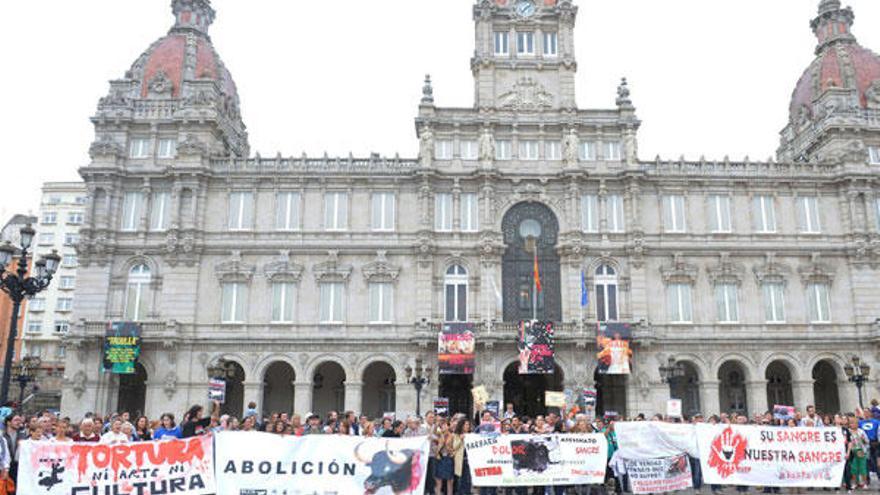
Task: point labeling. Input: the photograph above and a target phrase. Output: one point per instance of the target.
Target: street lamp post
(858, 373)
(418, 378)
(18, 285)
(25, 374)
(671, 371)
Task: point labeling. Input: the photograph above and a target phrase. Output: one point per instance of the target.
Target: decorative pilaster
(710, 399)
(302, 398)
(354, 396)
(757, 397)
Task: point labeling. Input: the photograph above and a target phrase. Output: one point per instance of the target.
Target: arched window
(606, 293)
(456, 288)
(136, 302)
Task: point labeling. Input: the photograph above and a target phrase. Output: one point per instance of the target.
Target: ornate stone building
(317, 283)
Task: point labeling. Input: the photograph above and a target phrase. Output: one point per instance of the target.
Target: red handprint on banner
(728, 451)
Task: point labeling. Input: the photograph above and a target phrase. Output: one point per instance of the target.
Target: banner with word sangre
(184, 467)
(768, 456)
(660, 475)
(536, 460)
(265, 463)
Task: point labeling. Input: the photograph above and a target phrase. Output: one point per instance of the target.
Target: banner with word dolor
(525, 460)
(660, 475)
(768, 456)
(652, 439)
(183, 467)
(265, 463)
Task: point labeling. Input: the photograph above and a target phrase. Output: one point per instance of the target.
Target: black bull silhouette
(388, 467)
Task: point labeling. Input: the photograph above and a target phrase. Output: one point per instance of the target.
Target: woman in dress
(445, 469)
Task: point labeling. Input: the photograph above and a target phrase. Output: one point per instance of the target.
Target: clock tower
(524, 57)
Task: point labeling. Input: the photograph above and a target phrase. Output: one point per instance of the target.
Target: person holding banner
(444, 471)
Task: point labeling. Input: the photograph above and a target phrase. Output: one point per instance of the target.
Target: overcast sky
(708, 78)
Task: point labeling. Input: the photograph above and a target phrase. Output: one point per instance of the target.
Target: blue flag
(585, 297)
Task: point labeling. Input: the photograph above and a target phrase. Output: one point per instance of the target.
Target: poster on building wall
(122, 347)
(536, 348)
(613, 342)
(455, 349)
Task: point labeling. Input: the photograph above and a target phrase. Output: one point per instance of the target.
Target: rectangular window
(874, 155)
(774, 302)
(679, 299)
(719, 214)
(336, 211)
(503, 149)
(132, 205)
(71, 239)
(80, 200)
(35, 327)
(443, 212)
(49, 218)
(611, 151)
(808, 214)
(287, 211)
(160, 211)
(528, 150)
(62, 327)
(470, 212)
(64, 304)
(820, 304)
(614, 213)
(380, 303)
(69, 261)
(470, 150)
(764, 214)
(673, 214)
(54, 200)
(33, 349)
(241, 211)
(589, 213)
(587, 151)
(456, 301)
(37, 304)
(75, 218)
(67, 283)
(553, 150)
(525, 43)
(502, 43)
(383, 211)
(167, 148)
(140, 148)
(443, 149)
(331, 302)
(551, 40)
(233, 302)
(283, 302)
(726, 303)
(46, 238)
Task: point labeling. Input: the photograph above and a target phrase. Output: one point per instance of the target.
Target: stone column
(253, 392)
(710, 399)
(405, 395)
(302, 398)
(803, 394)
(757, 397)
(849, 394)
(354, 396)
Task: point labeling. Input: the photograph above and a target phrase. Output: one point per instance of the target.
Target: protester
(194, 424)
(168, 428)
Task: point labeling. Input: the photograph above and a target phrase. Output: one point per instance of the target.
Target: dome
(840, 63)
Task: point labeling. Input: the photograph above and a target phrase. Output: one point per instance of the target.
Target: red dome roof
(168, 56)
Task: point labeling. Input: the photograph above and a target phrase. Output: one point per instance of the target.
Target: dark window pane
(600, 303)
(450, 303)
(462, 303)
(612, 302)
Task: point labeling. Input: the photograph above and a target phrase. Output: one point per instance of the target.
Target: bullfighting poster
(661, 475)
(614, 352)
(262, 463)
(175, 466)
(536, 460)
(536, 348)
(455, 349)
(768, 456)
(122, 347)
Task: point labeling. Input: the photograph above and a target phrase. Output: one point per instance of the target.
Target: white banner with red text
(536, 460)
(661, 475)
(184, 467)
(265, 463)
(653, 439)
(771, 456)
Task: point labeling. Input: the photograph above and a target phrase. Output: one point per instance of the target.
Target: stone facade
(320, 281)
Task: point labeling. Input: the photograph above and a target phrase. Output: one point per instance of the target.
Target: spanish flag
(537, 274)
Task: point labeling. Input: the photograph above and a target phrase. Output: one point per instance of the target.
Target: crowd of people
(448, 471)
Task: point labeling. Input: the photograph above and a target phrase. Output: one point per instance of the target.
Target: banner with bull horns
(266, 463)
(536, 460)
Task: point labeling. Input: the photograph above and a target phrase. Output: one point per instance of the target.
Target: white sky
(708, 78)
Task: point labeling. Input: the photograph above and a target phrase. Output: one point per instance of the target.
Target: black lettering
(333, 467)
(348, 469)
(247, 467)
(139, 487)
(158, 491)
(265, 467)
(230, 467)
(307, 468)
(196, 482)
(177, 484)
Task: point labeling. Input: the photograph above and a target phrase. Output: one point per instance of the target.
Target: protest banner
(535, 460)
(441, 406)
(494, 407)
(652, 439)
(217, 390)
(122, 347)
(265, 463)
(783, 412)
(480, 394)
(614, 350)
(455, 349)
(554, 399)
(183, 467)
(673, 408)
(535, 344)
(768, 456)
(660, 475)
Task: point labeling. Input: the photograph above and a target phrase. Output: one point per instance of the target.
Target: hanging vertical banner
(668, 474)
(613, 343)
(122, 347)
(455, 349)
(536, 348)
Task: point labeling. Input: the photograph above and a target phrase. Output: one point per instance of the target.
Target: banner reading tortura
(122, 347)
(613, 343)
(536, 460)
(536, 348)
(455, 349)
(184, 467)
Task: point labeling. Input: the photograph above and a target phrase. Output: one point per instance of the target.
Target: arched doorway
(521, 299)
(457, 388)
(526, 392)
(234, 405)
(687, 388)
(610, 394)
(732, 388)
(328, 389)
(278, 383)
(379, 393)
(825, 391)
(779, 391)
(132, 396)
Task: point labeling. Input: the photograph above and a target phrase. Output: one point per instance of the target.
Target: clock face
(525, 8)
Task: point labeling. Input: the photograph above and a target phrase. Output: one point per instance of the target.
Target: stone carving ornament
(160, 84)
(570, 147)
(526, 95)
(487, 145)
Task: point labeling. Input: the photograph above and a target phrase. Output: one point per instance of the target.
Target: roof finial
(828, 6)
(623, 100)
(197, 15)
(428, 90)
(833, 24)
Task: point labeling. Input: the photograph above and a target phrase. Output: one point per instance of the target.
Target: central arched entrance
(234, 405)
(732, 388)
(328, 389)
(457, 388)
(521, 299)
(825, 390)
(278, 388)
(526, 392)
(779, 390)
(132, 396)
(379, 393)
(610, 394)
(687, 388)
